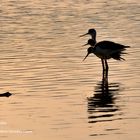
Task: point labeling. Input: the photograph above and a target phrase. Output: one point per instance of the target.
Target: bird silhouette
(106, 50)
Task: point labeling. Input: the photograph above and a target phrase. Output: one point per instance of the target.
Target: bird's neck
(94, 38)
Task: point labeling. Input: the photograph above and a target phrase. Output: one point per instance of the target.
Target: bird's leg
(106, 64)
(103, 66)
(106, 75)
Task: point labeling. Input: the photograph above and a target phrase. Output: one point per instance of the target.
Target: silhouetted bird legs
(106, 71)
(103, 64)
(106, 64)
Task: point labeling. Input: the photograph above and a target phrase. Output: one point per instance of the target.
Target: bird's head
(89, 51)
(91, 32)
(90, 42)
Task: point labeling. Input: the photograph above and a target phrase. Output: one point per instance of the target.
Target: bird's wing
(109, 45)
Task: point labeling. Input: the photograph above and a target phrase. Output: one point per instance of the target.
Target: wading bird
(106, 50)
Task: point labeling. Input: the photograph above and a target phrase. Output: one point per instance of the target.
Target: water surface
(54, 94)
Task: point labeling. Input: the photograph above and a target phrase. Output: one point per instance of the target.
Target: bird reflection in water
(102, 105)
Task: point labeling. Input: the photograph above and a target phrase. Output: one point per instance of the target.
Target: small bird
(106, 50)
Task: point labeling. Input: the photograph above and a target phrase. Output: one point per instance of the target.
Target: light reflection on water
(54, 93)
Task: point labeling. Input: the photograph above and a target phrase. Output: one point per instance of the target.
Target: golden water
(56, 96)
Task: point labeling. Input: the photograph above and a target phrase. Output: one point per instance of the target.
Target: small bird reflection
(102, 105)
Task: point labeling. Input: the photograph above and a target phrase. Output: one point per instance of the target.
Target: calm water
(56, 96)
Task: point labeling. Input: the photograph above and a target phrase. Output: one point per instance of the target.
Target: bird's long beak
(85, 44)
(83, 35)
(86, 56)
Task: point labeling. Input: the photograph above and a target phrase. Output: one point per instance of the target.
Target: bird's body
(107, 49)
